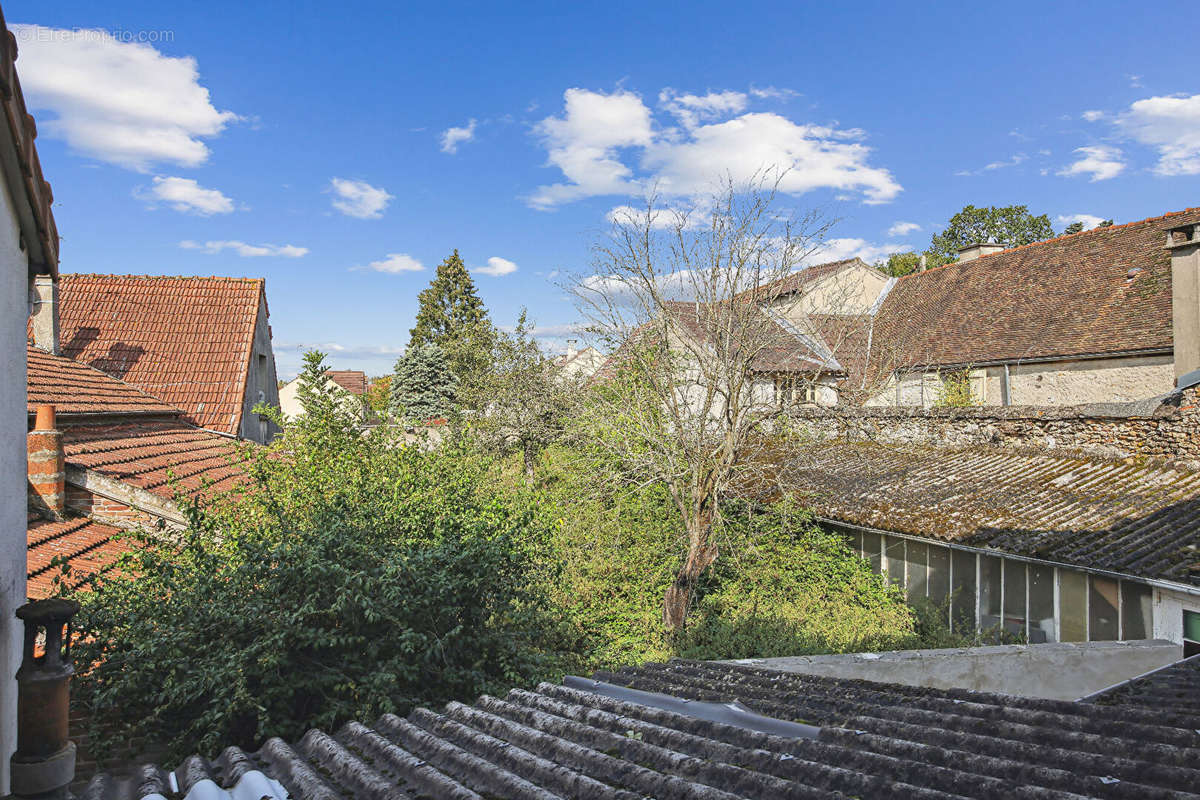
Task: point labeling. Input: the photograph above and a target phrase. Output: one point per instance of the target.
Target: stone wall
(1166, 427)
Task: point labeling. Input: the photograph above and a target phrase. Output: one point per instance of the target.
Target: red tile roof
(148, 455)
(77, 389)
(186, 340)
(86, 547)
(801, 278)
(351, 380)
(1102, 291)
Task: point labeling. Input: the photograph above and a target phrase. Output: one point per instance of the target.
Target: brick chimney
(47, 475)
(44, 764)
(1183, 243)
(974, 251)
(44, 313)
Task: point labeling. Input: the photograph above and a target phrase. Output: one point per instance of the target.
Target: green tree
(379, 394)
(525, 402)
(352, 576)
(1012, 225)
(424, 387)
(899, 264)
(1077, 227)
(451, 315)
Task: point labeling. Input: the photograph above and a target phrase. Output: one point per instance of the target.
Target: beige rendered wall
(1106, 380)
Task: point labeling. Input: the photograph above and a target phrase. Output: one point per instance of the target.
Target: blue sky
(342, 150)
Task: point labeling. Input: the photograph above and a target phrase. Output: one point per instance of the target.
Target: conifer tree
(451, 315)
(424, 387)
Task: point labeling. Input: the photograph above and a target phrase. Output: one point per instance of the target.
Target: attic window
(1133, 273)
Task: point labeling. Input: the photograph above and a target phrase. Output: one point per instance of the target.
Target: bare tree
(695, 302)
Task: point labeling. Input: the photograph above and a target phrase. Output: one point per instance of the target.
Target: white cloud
(1101, 161)
(246, 250)
(772, 93)
(1092, 116)
(1089, 220)
(584, 141)
(185, 195)
(453, 137)
(497, 267)
(841, 249)
(1170, 124)
(359, 198)
(397, 262)
(1012, 162)
(124, 103)
(903, 228)
(691, 109)
(600, 138)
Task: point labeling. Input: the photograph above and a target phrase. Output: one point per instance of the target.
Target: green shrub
(357, 575)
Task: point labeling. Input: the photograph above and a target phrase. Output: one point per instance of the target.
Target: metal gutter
(1154, 351)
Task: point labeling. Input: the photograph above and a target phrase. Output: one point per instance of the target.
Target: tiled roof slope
(160, 457)
(1138, 519)
(77, 389)
(86, 546)
(185, 340)
(351, 380)
(1174, 689)
(874, 740)
(781, 349)
(1105, 290)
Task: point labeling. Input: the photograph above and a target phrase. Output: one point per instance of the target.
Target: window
(989, 592)
(962, 587)
(895, 560)
(1137, 616)
(1014, 597)
(939, 574)
(1041, 604)
(1102, 609)
(871, 550)
(916, 557)
(1072, 606)
(791, 390)
(1191, 633)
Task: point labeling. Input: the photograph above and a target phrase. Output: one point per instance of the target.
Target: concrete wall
(14, 311)
(261, 382)
(1060, 671)
(852, 290)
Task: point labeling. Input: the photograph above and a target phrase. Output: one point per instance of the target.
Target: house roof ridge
(1054, 239)
(164, 277)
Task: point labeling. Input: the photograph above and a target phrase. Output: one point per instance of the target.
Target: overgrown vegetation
(355, 575)
(954, 390)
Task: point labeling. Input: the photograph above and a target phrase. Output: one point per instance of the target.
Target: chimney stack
(922, 263)
(44, 764)
(974, 251)
(1183, 243)
(572, 347)
(47, 470)
(44, 313)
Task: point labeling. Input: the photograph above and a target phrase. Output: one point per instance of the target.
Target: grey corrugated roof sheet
(1140, 519)
(875, 740)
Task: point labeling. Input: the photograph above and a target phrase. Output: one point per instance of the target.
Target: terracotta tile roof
(41, 234)
(783, 347)
(77, 389)
(1138, 519)
(351, 380)
(87, 547)
(801, 278)
(186, 340)
(1106, 290)
(691, 729)
(148, 455)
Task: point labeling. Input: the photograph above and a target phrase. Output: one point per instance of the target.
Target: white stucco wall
(1168, 613)
(289, 398)
(1065, 383)
(14, 311)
